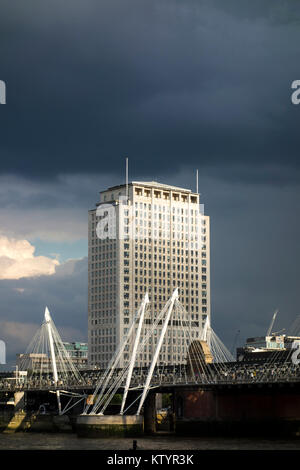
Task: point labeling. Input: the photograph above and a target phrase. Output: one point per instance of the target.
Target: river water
(43, 441)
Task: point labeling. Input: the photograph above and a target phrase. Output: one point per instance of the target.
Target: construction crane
(272, 323)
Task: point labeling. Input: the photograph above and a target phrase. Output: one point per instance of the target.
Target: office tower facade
(146, 237)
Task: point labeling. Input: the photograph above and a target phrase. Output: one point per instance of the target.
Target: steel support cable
(140, 347)
(111, 366)
(196, 350)
(196, 345)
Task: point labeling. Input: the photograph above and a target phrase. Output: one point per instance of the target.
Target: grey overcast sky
(175, 85)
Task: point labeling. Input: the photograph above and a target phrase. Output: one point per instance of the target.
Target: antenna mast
(197, 189)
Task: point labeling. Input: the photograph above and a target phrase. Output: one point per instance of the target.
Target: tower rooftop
(152, 184)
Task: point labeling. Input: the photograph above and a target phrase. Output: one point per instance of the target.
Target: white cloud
(17, 260)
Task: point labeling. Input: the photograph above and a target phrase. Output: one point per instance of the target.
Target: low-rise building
(263, 348)
(78, 352)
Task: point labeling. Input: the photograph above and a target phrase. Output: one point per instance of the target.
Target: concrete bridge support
(150, 414)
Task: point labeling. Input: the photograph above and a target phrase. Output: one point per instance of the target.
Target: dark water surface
(43, 441)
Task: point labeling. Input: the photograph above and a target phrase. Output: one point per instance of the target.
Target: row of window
(167, 251)
(164, 224)
(145, 273)
(162, 212)
(190, 299)
(163, 290)
(166, 208)
(100, 245)
(106, 321)
(159, 306)
(104, 255)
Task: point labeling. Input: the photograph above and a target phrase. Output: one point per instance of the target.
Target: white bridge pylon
(106, 390)
(52, 355)
(48, 363)
(192, 364)
(157, 350)
(134, 352)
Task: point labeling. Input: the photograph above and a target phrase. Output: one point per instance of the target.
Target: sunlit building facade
(152, 237)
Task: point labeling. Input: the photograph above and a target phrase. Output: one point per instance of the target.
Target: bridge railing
(236, 374)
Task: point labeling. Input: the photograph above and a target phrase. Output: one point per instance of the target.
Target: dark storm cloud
(53, 209)
(167, 82)
(176, 85)
(254, 254)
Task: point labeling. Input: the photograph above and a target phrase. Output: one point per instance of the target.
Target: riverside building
(146, 236)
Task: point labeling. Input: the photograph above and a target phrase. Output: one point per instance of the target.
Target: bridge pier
(150, 414)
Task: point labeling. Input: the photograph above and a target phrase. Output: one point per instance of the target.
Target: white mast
(155, 357)
(112, 367)
(134, 351)
(197, 188)
(204, 331)
(52, 354)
